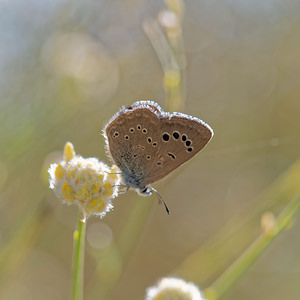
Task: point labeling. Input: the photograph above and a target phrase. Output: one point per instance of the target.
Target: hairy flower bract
(86, 182)
(173, 289)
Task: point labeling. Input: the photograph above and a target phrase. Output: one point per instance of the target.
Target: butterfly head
(144, 191)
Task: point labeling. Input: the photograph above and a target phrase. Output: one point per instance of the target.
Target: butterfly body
(147, 143)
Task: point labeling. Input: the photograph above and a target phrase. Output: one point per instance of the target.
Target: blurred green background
(67, 67)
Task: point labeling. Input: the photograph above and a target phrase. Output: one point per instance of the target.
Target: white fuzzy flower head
(86, 182)
(173, 289)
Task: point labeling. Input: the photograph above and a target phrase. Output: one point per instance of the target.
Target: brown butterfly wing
(132, 142)
(153, 106)
(181, 137)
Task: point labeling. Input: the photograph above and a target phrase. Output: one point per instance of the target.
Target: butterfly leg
(123, 188)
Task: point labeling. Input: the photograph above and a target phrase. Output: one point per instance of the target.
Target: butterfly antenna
(161, 199)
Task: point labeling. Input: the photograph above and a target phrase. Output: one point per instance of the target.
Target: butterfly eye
(154, 144)
(139, 127)
(159, 163)
(149, 140)
(190, 149)
(116, 134)
(144, 130)
(183, 137)
(131, 129)
(126, 137)
(148, 157)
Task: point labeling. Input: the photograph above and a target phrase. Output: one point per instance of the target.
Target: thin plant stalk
(167, 40)
(219, 288)
(241, 230)
(78, 258)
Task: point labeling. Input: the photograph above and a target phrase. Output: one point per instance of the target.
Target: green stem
(169, 48)
(78, 258)
(242, 264)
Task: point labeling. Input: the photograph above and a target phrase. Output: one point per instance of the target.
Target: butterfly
(147, 143)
